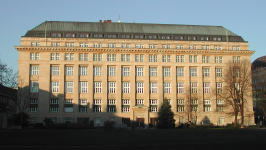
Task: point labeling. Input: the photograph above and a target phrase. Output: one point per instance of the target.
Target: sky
(243, 17)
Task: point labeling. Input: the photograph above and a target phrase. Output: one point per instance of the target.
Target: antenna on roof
(227, 39)
(119, 21)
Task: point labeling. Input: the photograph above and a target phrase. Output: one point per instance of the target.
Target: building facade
(100, 71)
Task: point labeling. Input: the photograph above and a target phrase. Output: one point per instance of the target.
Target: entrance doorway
(140, 122)
(153, 122)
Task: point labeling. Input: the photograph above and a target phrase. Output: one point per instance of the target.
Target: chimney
(107, 21)
(100, 21)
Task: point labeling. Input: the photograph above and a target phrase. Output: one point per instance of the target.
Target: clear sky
(243, 17)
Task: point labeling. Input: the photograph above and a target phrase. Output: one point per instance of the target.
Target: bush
(21, 119)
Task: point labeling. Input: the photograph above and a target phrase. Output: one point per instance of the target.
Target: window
(206, 72)
(218, 59)
(166, 72)
(111, 105)
(180, 58)
(155, 46)
(206, 87)
(190, 47)
(53, 44)
(83, 71)
(125, 87)
(69, 57)
(153, 87)
(180, 72)
(166, 58)
(83, 87)
(150, 46)
(220, 105)
(97, 87)
(220, 48)
(97, 71)
(238, 59)
(34, 56)
(180, 105)
(123, 45)
(128, 45)
(111, 87)
(218, 72)
(219, 87)
(152, 58)
(68, 108)
(69, 87)
(167, 87)
(67, 45)
(97, 105)
(194, 47)
(111, 57)
(70, 35)
(54, 101)
(55, 87)
(177, 47)
(193, 72)
(193, 58)
(125, 105)
(139, 71)
(72, 44)
(180, 87)
(139, 58)
(34, 70)
(111, 71)
(236, 72)
(139, 102)
(125, 71)
(136, 45)
(153, 105)
(205, 59)
(238, 48)
(97, 57)
(55, 70)
(125, 57)
(141, 46)
(83, 57)
(139, 87)
(33, 44)
(207, 105)
(193, 87)
(233, 48)
(181, 46)
(69, 70)
(153, 71)
(34, 86)
(194, 105)
(82, 105)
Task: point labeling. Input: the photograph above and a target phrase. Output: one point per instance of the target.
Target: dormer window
(163, 37)
(167, 37)
(123, 36)
(141, 36)
(56, 34)
(136, 36)
(70, 35)
(84, 35)
(127, 36)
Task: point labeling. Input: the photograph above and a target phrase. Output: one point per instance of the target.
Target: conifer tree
(166, 116)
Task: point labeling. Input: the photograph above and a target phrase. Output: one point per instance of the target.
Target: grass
(138, 139)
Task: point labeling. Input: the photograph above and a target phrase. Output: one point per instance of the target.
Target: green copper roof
(141, 28)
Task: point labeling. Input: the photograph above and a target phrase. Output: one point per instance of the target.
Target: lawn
(138, 139)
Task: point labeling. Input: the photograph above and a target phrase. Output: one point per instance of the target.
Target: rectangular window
(125, 71)
(166, 72)
(167, 87)
(97, 71)
(125, 87)
(180, 105)
(55, 87)
(69, 70)
(220, 105)
(207, 105)
(125, 57)
(83, 87)
(34, 70)
(139, 87)
(182, 58)
(234, 59)
(57, 56)
(83, 57)
(180, 87)
(97, 87)
(52, 56)
(82, 105)
(153, 87)
(219, 87)
(111, 71)
(153, 105)
(139, 71)
(69, 87)
(166, 58)
(111, 105)
(193, 72)
(193, 87)
(97, 57)
(34, 86)
(55, 70)
(83, 71)
(125, 105)
(180, 72)
(206, 87)
(206, 72)
(34, 56)
(139, 102)
(152, 58)
(97, 105)
(111, 57)
(153, 71)
(218, 72)
(111, 87)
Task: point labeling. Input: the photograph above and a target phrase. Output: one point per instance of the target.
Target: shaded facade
(123, 71)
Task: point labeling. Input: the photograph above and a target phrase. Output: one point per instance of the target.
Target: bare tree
(236, 88)
(8, 77)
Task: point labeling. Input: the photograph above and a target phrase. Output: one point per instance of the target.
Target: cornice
(131, 50)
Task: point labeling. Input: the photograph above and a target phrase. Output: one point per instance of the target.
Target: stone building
(122, 72)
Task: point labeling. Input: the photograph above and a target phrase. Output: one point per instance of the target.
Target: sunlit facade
(83, 71)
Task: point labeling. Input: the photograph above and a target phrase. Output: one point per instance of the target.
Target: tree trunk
(235, 124)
